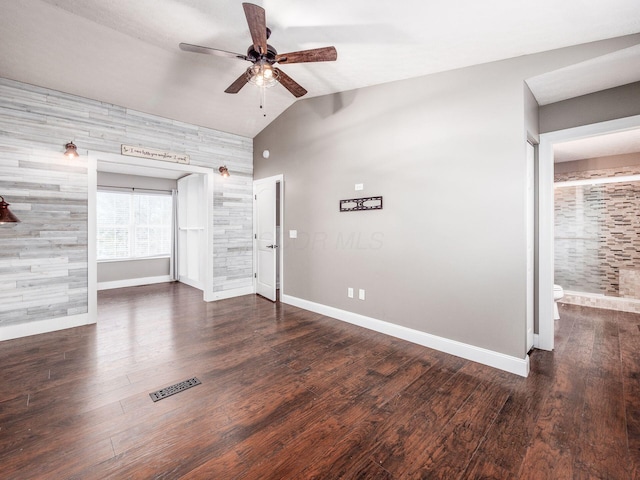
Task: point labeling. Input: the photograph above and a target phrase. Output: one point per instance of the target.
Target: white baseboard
(44, 326)
(235, 292)
(133, 282)
(518, 366)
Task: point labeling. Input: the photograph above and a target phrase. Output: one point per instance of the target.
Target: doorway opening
(113, 163)
(546, 327)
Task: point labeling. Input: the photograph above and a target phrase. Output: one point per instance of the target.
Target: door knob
(272, 246)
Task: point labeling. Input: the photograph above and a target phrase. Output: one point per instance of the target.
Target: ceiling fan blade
(324, 54)
(257, 26)
(240, 82)
(187, 47)
(290, 84)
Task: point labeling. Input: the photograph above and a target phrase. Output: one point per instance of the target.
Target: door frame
(280, 264)
(546, 325)
(530, 208)
(95, 157)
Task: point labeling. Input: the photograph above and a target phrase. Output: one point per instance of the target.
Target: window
(133, 225)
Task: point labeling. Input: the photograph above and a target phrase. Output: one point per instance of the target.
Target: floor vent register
(173, 389)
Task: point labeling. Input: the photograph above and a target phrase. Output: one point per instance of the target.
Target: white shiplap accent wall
(43, 260)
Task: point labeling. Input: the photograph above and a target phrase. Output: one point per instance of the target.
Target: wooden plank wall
(43, 260)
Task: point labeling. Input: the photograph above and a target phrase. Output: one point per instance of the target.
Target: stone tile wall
(597, 234)
(43, 260)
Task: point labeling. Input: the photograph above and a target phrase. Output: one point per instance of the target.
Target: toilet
(558, 293)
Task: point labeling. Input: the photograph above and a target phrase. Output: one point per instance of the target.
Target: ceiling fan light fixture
(262, 74)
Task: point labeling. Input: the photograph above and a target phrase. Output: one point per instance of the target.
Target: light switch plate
(350, 292)
(361, 294)
(293, 233)
(359, 186)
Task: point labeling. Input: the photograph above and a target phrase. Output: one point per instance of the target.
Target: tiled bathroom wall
(597, 234)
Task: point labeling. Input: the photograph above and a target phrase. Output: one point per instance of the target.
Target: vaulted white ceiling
(126, 52)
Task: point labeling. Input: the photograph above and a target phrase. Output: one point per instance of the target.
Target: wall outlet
(361, 294)
(293, 233)
(350, 292)
(359, 186)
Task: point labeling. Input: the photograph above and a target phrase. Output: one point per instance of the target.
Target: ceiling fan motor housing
(270, 56)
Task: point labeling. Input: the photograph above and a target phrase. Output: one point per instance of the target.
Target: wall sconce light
(224, 171)
(6, 216)
(265, 154)
(71, 150)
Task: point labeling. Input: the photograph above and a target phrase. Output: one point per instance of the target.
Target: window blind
(133, 225)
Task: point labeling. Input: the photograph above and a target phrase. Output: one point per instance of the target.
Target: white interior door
(530, 215)
(191, 230)
(265, 237)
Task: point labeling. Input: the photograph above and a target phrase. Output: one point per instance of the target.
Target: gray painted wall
(133, 269)
(596, 107)
(446, 255)
(110, 179)
(532, 116)
(43, 260)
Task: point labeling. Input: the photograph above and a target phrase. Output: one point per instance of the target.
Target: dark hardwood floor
(291, 394)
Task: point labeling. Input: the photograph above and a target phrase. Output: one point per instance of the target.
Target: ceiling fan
(263, 56)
